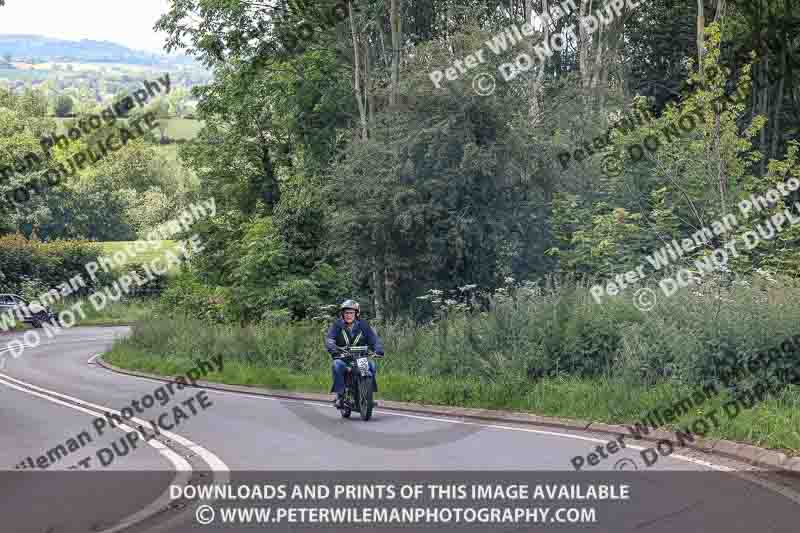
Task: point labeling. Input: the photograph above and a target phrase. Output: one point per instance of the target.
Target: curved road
(53, 394)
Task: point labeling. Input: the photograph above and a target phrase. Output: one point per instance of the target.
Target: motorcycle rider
(349, 330)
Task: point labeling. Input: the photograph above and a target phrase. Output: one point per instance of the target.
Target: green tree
(64, 105)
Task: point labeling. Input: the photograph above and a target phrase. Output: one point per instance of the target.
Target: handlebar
(344, 353)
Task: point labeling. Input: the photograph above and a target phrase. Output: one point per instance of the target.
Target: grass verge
(550, 350)
(771, 424)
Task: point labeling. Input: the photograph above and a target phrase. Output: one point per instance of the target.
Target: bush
(31, 267)
(186, 295)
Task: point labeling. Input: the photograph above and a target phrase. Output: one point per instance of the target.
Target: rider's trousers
(339, 368)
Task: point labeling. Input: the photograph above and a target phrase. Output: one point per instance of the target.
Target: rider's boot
(338, 401)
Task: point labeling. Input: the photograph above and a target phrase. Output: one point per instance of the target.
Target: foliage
(533, 332)
(118, 198)
(696, 178)
(340, 170)
(31, 267)
(186, 295)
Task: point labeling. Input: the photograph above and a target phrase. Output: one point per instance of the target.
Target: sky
(126, 22)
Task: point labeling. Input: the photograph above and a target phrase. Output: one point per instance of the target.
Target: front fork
(351, 384)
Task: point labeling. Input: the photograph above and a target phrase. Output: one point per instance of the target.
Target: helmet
(350, 304)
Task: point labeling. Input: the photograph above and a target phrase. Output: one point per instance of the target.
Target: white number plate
(363, 363)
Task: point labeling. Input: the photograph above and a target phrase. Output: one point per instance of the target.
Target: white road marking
(5, 350)
(216, 464)
(182, 467)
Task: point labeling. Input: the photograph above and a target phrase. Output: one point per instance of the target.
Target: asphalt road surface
(95, 477)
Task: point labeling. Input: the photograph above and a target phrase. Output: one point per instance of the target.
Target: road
(54, 393)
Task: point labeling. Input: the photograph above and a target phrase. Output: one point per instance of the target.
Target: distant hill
(47, 49)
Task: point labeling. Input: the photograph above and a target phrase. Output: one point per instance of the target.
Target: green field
(178, 129)
(183, 129)
(145, 257)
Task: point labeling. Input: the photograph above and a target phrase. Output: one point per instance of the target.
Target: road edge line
(742, 452)
(181, 467)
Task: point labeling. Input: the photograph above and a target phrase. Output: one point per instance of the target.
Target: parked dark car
(33, 314)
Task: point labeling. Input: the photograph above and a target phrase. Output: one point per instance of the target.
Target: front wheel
(365, 398)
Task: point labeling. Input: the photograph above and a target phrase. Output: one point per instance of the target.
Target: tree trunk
(362, 112)
(701, 24)
(535, 109)
(584, 46)
(388, 298)
(369, 97)
(776, 124)
(270, 191)
(598, 61)
(720, 10)
(377, 290)
(762, 141)
(753, 92)
(396, 23)
(721, 177)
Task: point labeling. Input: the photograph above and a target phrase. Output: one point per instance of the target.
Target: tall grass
(550, 350)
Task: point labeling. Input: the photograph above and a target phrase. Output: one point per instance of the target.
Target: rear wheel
(365, 398)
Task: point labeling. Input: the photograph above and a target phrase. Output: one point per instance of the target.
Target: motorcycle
(359, 382)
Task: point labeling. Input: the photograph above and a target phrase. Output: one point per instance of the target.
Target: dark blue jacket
(336, 337)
